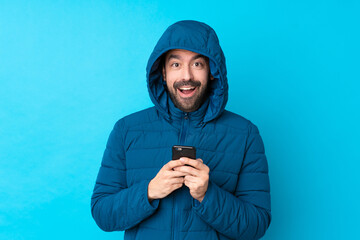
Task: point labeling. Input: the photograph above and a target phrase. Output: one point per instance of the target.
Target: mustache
(191, 83)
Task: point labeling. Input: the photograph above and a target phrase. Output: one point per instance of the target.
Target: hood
(196, 37)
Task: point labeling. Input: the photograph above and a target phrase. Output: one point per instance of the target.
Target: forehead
(183, 54)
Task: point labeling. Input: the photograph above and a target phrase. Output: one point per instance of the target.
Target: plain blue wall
(70, 69)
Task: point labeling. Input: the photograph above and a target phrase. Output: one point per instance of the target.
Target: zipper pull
(186, 116)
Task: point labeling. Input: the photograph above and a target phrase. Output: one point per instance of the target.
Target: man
(225, 193)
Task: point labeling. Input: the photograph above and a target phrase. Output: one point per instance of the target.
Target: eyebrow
(179, 58)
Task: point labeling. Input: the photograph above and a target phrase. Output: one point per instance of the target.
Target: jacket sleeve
(245, 214)
(115, 206)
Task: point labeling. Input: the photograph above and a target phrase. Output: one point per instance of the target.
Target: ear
(211, 77)
(164, 73)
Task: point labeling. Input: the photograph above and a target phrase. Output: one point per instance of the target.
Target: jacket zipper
(175, 220)
(184, 128)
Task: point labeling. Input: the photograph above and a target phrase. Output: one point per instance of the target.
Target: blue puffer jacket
(237, 202)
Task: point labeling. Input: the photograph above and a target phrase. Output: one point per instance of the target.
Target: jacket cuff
(147, 205)
(201, 206)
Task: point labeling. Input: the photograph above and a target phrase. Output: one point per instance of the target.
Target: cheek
(203, 77)
(170, 84)
(170, 78)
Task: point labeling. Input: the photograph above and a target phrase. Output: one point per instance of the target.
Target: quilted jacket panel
(237, 202)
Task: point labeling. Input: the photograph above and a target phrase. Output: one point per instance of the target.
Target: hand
(197, 177)
(166, 181)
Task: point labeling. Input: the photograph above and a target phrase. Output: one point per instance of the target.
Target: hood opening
(196, 37)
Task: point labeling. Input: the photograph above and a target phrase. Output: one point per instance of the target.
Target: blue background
(70, 69)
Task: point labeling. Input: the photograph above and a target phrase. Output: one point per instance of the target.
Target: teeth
(187, 88)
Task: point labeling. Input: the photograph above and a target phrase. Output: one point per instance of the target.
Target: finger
(185, 159)
(176, 173)
(178, 169)
(190, 185)
(189, 170)
(198, 159)
(176, 180)
(173, 163)
(192, 162)
(191, 179)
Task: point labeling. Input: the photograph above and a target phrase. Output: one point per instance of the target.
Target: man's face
(186, 74)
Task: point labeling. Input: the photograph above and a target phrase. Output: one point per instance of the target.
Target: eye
(175, 64)
(198, 64)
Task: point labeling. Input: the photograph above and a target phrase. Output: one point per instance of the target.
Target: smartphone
(183, 151)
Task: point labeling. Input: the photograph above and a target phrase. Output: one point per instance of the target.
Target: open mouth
(186, 91)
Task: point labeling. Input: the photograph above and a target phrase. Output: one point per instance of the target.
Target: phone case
(183, 151)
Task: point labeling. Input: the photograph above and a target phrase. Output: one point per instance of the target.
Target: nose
(187, 73)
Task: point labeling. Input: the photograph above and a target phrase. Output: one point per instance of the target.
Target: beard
(190, 104)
